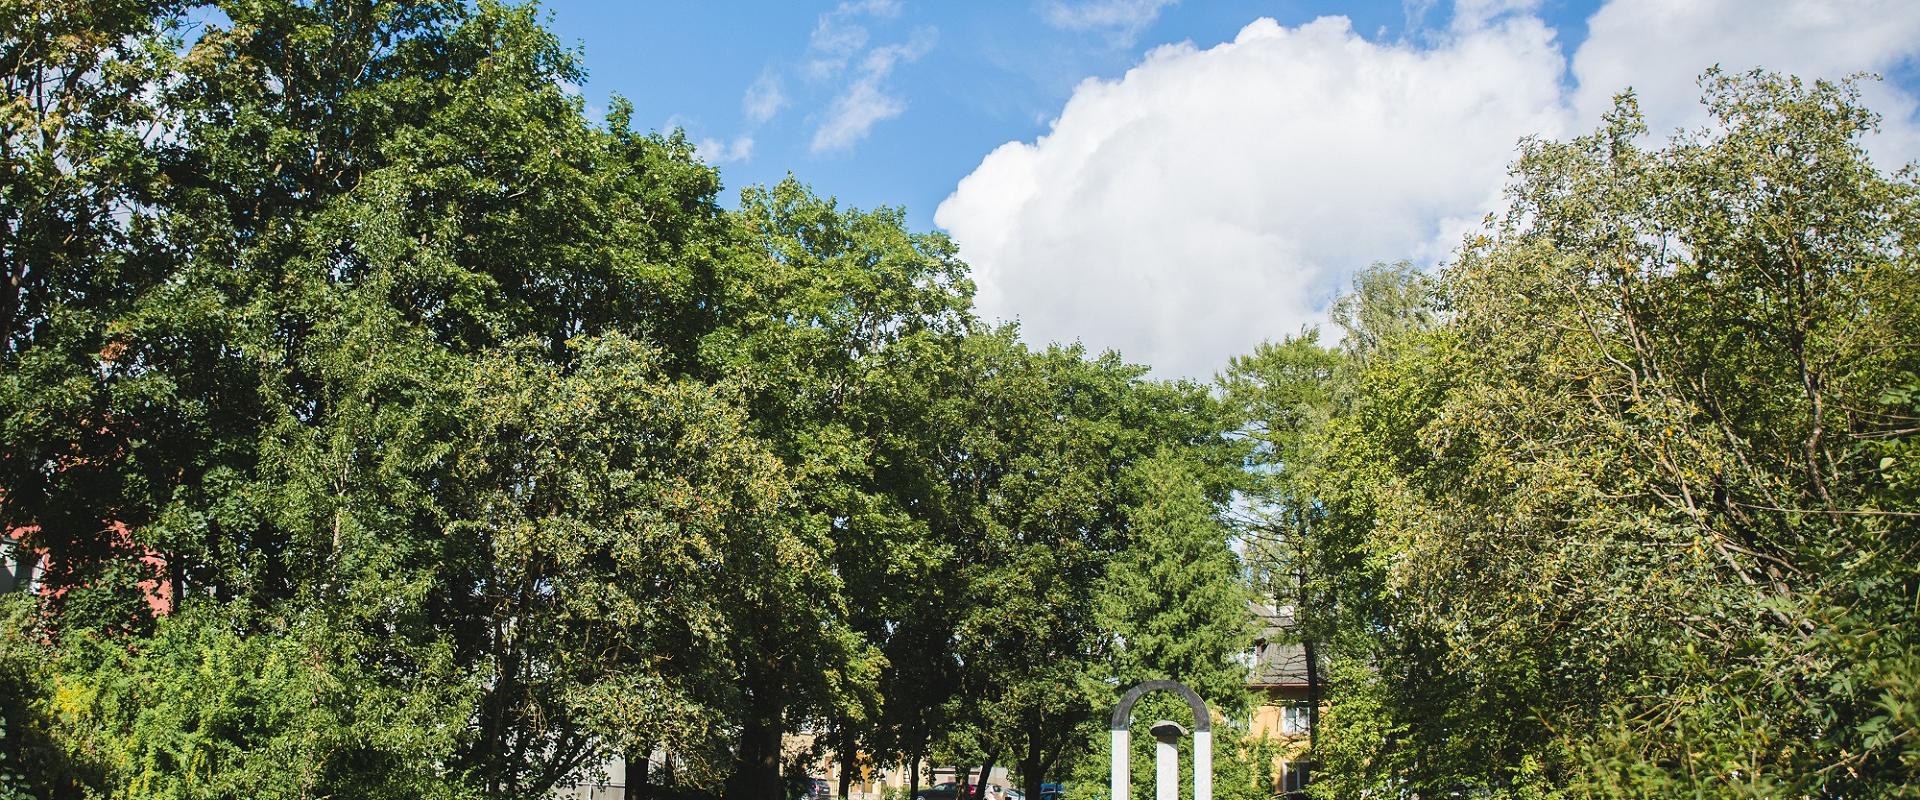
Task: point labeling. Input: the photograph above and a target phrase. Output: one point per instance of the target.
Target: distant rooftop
(1276, 661)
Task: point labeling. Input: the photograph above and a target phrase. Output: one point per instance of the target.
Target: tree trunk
(913, 776)
(1032, 773)
(1313, 693)
(756, 759)
(847, 766)
(986, 771)
(1313, 670)
(636, 772)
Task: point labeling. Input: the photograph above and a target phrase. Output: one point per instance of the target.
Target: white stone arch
(1122, 775)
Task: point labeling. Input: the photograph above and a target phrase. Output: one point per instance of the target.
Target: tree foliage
(1623, 509)
(387, 428)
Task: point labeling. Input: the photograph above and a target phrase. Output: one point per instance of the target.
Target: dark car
(940, 791)
(817, 790)
(954, 791)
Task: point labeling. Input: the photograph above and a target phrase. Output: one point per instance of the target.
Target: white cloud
(832, 45)
(714, 151)
(875, 8)
(1213, 198)
(1210, 199)
(883, 59)
(838, 39)
(1469, 15)
(1416, 12)
(838, 35)
(764, 98)
(1660, 48)
(865, 103)
(1122, 20)
(853, 114)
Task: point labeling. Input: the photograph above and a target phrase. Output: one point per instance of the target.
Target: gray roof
(1276, 660)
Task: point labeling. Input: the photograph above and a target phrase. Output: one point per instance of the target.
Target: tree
(824, 311)
(406, 432)
(1176, 605)
(1620, 515)
(1050, 485)
(1304, 524)
(77, 238)
(1718, 321)
(295, 376)
(616, 510)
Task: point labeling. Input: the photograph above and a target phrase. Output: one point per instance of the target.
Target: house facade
(1284, 695)
(25, 569)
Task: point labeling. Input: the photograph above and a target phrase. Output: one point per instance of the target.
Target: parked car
(1052, 791)
(950, 790)
(940, 791)
(817, 789)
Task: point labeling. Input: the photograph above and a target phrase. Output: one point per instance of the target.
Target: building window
(19, 567)
(1296, 779)
(1295, 719)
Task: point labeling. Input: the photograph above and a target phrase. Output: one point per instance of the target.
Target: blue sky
(1182, 180)
(994, 72)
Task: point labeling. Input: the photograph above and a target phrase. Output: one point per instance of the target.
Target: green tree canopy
(1622, 509)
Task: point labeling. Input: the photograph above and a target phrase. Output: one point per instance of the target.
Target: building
(25, 569)
(1283, 696)
(19, 567)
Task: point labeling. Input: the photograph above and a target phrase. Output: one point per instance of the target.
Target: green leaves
(388, 426)
(1622, 520)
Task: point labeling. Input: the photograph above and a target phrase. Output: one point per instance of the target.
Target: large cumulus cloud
(1212, 198)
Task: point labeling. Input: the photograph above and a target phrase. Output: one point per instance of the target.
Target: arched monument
(1165, 754)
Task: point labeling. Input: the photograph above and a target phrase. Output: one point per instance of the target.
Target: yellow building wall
(1268, 721)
